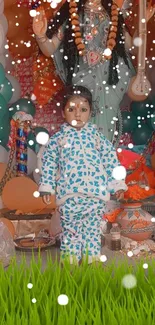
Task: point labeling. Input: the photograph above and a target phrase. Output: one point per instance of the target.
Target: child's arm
(50, 164)
(110, 161)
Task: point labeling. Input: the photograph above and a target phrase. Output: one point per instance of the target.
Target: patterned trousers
(80, 220)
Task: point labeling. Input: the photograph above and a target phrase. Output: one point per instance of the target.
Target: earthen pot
(9, 225)
(135, 222)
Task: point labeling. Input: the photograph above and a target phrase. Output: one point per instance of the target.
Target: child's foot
(92, 260)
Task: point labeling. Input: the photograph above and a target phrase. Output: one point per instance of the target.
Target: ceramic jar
(135, 222)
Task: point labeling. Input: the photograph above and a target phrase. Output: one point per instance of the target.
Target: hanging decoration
(21, 148)
(140, 87)
(23, 122)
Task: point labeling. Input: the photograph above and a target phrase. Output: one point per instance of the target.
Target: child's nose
(77, 113)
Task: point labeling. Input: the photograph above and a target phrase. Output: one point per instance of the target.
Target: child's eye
(70, 109)
(84, 109)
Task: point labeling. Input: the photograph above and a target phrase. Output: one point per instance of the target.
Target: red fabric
(129, 159)
(136, 175)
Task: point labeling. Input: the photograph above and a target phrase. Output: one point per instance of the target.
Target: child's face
(77, 111)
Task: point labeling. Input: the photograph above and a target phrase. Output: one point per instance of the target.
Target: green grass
(96, 295)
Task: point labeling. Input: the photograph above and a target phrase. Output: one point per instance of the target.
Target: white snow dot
(130, 253)
(129, 281)
(28, 44)
(119, 150)
(33, 13)
(36, 194)
(153, 219)
(145, 266)
(63, 300)
(103, 258)
(30, 286)
(74, 122)
(37, 170)
(31, 142)
(53, 5)
(107, 52)
(42, 138)
(34, 300)
(137, 41)
(130, 145)
(119, 173)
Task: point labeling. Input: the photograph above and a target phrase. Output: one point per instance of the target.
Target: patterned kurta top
(79, 163)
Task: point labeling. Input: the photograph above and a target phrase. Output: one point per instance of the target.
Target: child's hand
(119, 195)
(47, 199)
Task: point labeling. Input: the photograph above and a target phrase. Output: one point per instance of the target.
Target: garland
(111, 40)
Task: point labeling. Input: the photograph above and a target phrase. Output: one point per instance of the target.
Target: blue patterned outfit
(93, 72)
(78, 166)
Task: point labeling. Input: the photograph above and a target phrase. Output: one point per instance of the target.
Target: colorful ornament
(111, 40)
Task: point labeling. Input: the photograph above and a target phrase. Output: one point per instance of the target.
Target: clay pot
(9, 225)
(135, 222)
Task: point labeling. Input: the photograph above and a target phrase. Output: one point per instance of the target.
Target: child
(84, 160)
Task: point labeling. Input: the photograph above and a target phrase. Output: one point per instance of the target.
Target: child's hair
(77, 91)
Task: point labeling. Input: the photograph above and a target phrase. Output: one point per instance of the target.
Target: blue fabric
(85, 160)
(80, 221)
